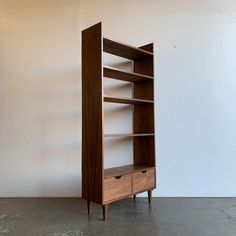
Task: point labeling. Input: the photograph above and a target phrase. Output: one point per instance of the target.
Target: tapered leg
(89, 207)
(149, 196)
(104, 211)
(134, 197)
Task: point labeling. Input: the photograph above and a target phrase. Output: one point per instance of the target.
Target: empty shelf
(126, 100)
(122, 170)
(123, 50)
(127, 135)
(123, 75)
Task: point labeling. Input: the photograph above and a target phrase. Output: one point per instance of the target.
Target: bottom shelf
(123, 170)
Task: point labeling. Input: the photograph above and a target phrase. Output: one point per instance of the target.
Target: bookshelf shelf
(121, 135)
(125, 76)
(124, 50)
(126, 100)
(124, 170)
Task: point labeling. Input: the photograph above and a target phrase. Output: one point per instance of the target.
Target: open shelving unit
(104, 186)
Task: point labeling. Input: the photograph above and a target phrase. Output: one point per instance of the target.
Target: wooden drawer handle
(118, 177)
(144, 171)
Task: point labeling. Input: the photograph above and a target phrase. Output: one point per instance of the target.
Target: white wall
(40, 92)
(40, 98)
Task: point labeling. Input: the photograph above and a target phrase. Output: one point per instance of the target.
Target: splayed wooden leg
(149, 196)
(104, 211)
(89, 207)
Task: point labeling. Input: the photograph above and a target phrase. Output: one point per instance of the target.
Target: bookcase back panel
(144, 151)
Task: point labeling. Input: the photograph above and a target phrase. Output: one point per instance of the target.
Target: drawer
(117, 187)
(143, 180)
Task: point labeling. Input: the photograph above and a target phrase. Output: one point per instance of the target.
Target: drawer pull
(144, 171)
(118, 177)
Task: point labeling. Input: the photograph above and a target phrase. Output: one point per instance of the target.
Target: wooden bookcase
(100, 185)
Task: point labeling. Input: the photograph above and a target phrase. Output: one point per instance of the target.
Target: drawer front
(143, 180)
(117, 187)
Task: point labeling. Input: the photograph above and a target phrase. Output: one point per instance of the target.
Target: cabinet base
(105, 206)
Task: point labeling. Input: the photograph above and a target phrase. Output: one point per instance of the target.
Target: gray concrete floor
(165, 217)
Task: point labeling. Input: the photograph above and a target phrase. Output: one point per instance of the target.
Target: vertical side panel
(143, 116)
(92, 118)
(148, 47)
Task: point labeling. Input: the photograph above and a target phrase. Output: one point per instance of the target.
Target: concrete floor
(165, 217)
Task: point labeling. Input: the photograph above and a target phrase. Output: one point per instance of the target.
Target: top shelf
(124, 50)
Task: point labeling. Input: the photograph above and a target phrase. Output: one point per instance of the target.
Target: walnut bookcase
(100, 185)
